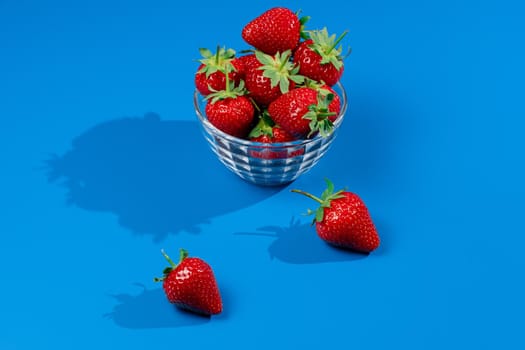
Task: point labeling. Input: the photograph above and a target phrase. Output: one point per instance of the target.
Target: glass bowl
(267, 164)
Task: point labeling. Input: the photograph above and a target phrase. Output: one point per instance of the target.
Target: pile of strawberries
(279, 91)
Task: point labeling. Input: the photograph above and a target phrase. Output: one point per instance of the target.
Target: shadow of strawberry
(298, 243)
(150, 309)
(157, 176)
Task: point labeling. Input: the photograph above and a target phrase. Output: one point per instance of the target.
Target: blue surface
(103, 165)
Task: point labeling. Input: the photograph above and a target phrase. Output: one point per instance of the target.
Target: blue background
(103, 164)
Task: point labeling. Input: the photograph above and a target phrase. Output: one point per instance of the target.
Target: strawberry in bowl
(268, 115)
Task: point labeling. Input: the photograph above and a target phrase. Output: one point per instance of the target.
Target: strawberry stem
(326, 198)
(309, 195)
(323, 115)
(230, 90)
(168, 259)
(227, 76)
(337, 41)
(217, 55)
(183, 255)
(285, 60)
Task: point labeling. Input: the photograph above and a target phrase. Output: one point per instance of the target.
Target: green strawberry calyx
(230, 91)
(325, 201)
(263, 127)
(319, 86)
(279, 69)
(325, 45)
(182, 255)
(215, 62)
(303, 20)
(319, 114)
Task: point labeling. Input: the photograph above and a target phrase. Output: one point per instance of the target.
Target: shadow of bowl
(157, 176)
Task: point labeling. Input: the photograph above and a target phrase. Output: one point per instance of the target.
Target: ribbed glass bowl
(263, 163)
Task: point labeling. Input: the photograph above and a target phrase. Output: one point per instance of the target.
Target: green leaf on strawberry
(325, 201)
(215, 62)
(264, 126)
(183, 254)
(231, 91)
(325, 45)
(303, 20)
(319, 115)
(279, 69)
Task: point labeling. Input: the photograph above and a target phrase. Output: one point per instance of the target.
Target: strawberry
(210, 75)
(343, 220)
(245, 63)
(304, 111)
(266, 131)
(268, 77)
(276, 30)
(191, 285)
(323, 89)
(230, 110)
(319, 59)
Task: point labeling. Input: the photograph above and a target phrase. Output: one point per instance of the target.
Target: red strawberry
(342, 219)
(230, 110)
(335, 104)
(210, 75)
(233, 116)
(245, 63)
(191, 285)
(267, 132)
(276, 30)
(304, 111)
(323, 89)
(319, 58)
(268, 77)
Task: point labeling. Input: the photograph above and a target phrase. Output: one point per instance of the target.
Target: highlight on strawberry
(190, 284)
(287, 75)
(342, 219)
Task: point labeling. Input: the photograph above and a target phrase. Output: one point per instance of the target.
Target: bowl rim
(277, 145)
